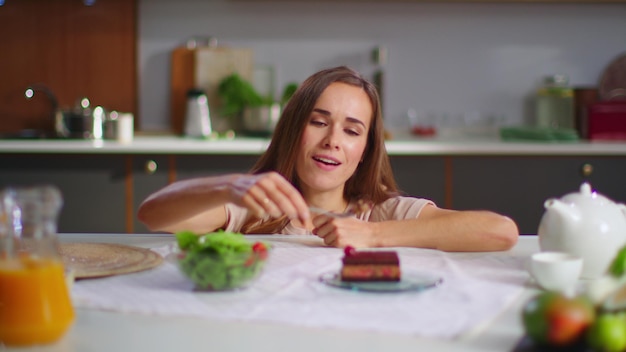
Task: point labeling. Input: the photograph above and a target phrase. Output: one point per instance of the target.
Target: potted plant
(290, 88)
(253, 114)
(237, 94)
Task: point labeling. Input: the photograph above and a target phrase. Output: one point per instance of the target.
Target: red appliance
(607, 120)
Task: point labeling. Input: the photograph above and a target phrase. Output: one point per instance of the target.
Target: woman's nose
(331, 140)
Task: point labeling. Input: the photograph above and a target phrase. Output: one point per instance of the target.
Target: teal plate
(411, 281)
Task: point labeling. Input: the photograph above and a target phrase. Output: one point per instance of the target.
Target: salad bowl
(219, 261)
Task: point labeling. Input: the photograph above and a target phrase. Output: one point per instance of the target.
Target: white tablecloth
(476, 288)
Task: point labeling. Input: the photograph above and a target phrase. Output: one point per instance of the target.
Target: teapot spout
(562, 209)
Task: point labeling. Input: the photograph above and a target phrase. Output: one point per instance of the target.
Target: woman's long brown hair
(373, 179)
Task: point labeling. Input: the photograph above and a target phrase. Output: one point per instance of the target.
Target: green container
(523, 133)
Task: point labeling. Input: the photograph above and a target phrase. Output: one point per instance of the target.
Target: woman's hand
(341, 232)
(269, 194)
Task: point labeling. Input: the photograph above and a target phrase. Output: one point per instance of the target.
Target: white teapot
(587, 224)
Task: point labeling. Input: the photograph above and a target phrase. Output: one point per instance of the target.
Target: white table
(96, 330)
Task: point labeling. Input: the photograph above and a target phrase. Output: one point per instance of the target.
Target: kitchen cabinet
(189, 166)
(93, 187)
(101, 192)
(421, 176)
(104, 186)
(416, 176)
(517, 186)
(149, 174)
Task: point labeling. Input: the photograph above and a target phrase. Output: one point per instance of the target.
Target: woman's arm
(195, 205)
(198, 204)
(447, 230)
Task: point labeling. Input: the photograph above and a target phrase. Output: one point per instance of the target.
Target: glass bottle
(35, 305)
(554, 106)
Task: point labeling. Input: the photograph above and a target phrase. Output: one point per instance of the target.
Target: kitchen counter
(399, 145)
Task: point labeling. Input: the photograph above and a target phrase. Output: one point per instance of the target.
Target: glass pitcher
(35, 305)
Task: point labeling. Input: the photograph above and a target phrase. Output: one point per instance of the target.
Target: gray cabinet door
(192, 166)
(608, 176)
(189, 166)
(150, 173)
(422, 177)
(416, 176)
(517, 186)
(92, 186)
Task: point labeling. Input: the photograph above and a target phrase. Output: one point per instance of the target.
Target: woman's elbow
(143, 212)
(506, 234)
(146, 216)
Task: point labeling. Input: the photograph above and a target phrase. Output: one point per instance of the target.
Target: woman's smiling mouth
(326, 160)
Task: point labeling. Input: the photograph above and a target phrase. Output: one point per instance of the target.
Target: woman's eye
(317, 123)
(353, 132)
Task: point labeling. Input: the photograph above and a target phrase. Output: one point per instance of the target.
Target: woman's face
(334, 138)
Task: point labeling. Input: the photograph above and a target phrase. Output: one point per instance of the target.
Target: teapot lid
(586, 194)
(585, 188)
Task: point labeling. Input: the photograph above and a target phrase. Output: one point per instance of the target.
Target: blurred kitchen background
(447, 59)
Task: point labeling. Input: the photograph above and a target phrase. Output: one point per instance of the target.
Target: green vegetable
(220, 260)
(618, 266)
(187, 240)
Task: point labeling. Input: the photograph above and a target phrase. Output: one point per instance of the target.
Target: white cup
(556, 271)
(125, 128)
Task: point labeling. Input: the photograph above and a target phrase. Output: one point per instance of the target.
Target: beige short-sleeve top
(396, 208)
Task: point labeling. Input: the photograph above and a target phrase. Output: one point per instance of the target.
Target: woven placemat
(92, 260)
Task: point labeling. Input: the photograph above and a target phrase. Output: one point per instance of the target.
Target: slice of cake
(370, 265)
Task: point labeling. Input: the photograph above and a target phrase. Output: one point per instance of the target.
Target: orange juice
(35, 306)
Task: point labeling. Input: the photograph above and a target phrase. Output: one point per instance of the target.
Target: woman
(327, 152)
